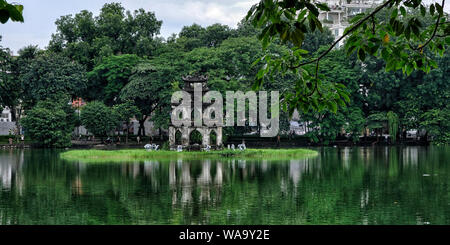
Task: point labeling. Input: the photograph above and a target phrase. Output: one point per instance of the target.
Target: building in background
(6, 115)
(7, 126)
(341, 11)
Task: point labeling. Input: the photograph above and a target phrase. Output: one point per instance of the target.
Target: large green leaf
(10, 11)
(4, 16)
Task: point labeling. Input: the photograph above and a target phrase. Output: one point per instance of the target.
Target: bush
(50, 123)
(98, 118)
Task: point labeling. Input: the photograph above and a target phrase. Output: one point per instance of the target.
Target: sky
(40, 16)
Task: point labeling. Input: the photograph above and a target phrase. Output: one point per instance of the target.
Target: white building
(297, 125)
(6, 115)
(341, 11)
(7, 126)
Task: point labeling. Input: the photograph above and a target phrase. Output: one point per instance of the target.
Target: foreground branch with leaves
(392, 31)
(10, 11)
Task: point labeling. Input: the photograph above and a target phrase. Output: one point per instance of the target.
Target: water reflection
(411, 155)
(10, 164)
(340, 186)
(186, 182)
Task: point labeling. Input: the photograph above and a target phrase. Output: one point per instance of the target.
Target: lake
(372, 185)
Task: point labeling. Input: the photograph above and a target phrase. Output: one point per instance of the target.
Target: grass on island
(98, 156)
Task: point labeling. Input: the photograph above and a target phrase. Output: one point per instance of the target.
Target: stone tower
(191, 82)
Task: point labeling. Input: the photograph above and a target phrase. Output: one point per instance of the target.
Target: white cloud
(176, 14)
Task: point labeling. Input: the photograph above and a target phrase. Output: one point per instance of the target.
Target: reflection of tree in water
(296, 169)
(151, 169)
(77, 186)
(411, 155)
(173, 182)
(218, 180)
(204, 181)
(186, 184)
(11, 162)
(340, 186)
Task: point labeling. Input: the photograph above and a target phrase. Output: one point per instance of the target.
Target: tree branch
(434, 31)
(353, 28)
(316, 88)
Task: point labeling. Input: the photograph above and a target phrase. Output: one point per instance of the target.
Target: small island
(131, 155)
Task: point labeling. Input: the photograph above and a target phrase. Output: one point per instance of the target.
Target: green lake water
(373, 185)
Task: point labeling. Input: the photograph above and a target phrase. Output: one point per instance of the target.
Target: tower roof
(196, 78)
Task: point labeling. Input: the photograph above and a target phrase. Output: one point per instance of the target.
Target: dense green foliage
(109, 77)
(8, 93)
(98, 118)
(393, 125)
(49, 75)
(88, 39)
(50, 123)
(125, 112)
(195, 36)
(117, 58)
(437, 124)
(150, 89)
(394, 31)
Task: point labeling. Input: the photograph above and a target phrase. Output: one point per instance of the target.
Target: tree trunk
(425, 137)
(16, 116)
(365, 134)
(13, 114)
(141, 131)
(377, 137)
(128, 132)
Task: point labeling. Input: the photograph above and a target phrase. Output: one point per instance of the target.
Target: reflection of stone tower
(190, 83)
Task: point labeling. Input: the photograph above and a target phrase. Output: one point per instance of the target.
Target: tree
(11, 89)
(324, 126)
(239, 54)
(125, 112)
(437, 124)
(10, 11)
(50, 74)
(393, 125)
(110, 76)
(8, 85)
(316, 39)
(215, 34)
(407, 96)
(150, 88)
(195, 36)
(98, 119)
(192, 37)
(88, 39)
(377, 121)
(392, 31)
(50, 123)
(246, 29)
(355, 122)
